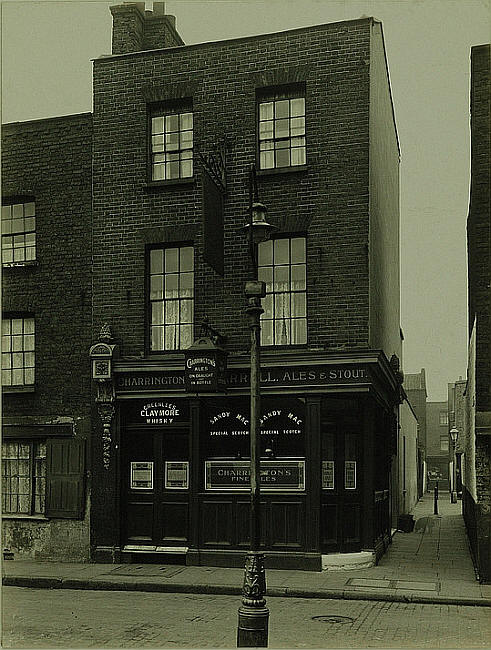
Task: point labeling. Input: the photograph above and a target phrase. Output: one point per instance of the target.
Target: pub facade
(174, 134)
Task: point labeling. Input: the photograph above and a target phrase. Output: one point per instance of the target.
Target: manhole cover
(330, 618)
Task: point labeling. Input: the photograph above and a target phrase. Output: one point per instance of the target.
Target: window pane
(171, 342)
(297, 106)
(157, 125)
(172, 170)
(6, 378)
(298, 282)
(30, 224)
(171, 123)
(298, 305)
(6, 361)
(281, 278)
(157, 313)
(6, 226)
(17, 343)
(6, 326)
(298, 156)
(267, 304)
(171, 312)
(18, 210)
(266, 130)
(266, 111)
(267, 332)
(282, 129)
(283, 158)
(186, 168)
(29, 359)
(17, 360)
(158, 172)
(186, 121)
(266, 160)
(299, 331)
(157, 338)
(6, 343)
(282, 305)
(281, 251)
(156, 261)
(6, 212)
(282, 108)
(171, 260)
(186, 332)
(186, 285)
(282, 332)
(19, 254)
(171, 285)
(29, 375)
(17, 377)
(156, 287)
(297, 126)
(186, 139)
(266, 275)
(7, 256)
(186, 315)
(297, 250)
(29, 209)
(29, 342)
(186, 258)
(172, 141)
(265, 253)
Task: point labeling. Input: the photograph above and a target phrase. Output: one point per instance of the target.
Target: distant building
(477, 461)
(457, 418)
(415, 389)
(437, 444)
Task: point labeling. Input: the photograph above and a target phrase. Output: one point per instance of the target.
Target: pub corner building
(126, 387)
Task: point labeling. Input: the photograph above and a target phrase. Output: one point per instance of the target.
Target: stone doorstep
(348, 561)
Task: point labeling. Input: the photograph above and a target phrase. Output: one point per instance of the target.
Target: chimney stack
(136, 29)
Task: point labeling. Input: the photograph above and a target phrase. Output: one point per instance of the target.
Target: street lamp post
(454, 434)
(253, 615)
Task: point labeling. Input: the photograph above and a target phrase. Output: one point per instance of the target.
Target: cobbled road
(66, 618)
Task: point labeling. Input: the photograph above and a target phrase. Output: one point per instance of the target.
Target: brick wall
(51, 160)
(331, 195)
(479, 220)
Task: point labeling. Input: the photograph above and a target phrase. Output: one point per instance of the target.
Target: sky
(47, 48)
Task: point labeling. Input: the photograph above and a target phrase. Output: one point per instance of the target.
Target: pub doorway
(341, 467)
(155, 489)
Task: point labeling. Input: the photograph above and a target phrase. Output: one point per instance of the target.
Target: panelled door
(341, 481)
(155, 487)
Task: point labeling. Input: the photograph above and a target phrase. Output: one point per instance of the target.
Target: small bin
(405, 523)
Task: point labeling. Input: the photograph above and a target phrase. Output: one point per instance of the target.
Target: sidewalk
(430, 565)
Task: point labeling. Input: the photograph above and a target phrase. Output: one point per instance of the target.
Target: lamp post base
(252, 629)
(453, 497)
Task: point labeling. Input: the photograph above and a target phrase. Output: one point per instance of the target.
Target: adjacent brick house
(477, 490)
(415, 388)
(46, 329)
(175, 130)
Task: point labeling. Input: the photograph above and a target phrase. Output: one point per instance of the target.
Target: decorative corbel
(102, 354)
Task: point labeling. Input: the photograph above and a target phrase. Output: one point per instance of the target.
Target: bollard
(435, 508)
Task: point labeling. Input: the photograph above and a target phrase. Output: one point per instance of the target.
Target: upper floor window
(444, 443)
(18, 351)
(18, 232)
(282, 266)
(443, 418)
(171, 292)
(281, 129)
(23, 477)
(171, 144)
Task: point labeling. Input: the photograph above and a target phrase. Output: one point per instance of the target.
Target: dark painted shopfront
(181, 462)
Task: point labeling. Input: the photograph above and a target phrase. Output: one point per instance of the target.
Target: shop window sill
(15, 265)
(12, 390)
(282, 170)
(171, 183)
(25, 517)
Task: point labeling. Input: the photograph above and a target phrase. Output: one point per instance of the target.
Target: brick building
(415, 388)
(175, 130)
(438, 446)
(477, 469)
(46, 331)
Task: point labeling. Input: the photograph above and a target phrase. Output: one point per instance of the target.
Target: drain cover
(330, 618)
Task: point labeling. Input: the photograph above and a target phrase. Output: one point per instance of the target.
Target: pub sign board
(205, 367)
(275, 475)
(154, 411)
(226, 425)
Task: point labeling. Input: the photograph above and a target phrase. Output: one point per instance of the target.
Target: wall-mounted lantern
(102, 355)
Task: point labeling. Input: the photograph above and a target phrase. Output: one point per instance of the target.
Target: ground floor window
(23, 477)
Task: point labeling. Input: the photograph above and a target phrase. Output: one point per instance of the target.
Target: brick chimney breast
(136, 29)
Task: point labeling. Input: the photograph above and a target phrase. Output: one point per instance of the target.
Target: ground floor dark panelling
(478, 525)
(178, 480)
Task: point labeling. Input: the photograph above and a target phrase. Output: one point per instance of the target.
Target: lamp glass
(454, 434)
